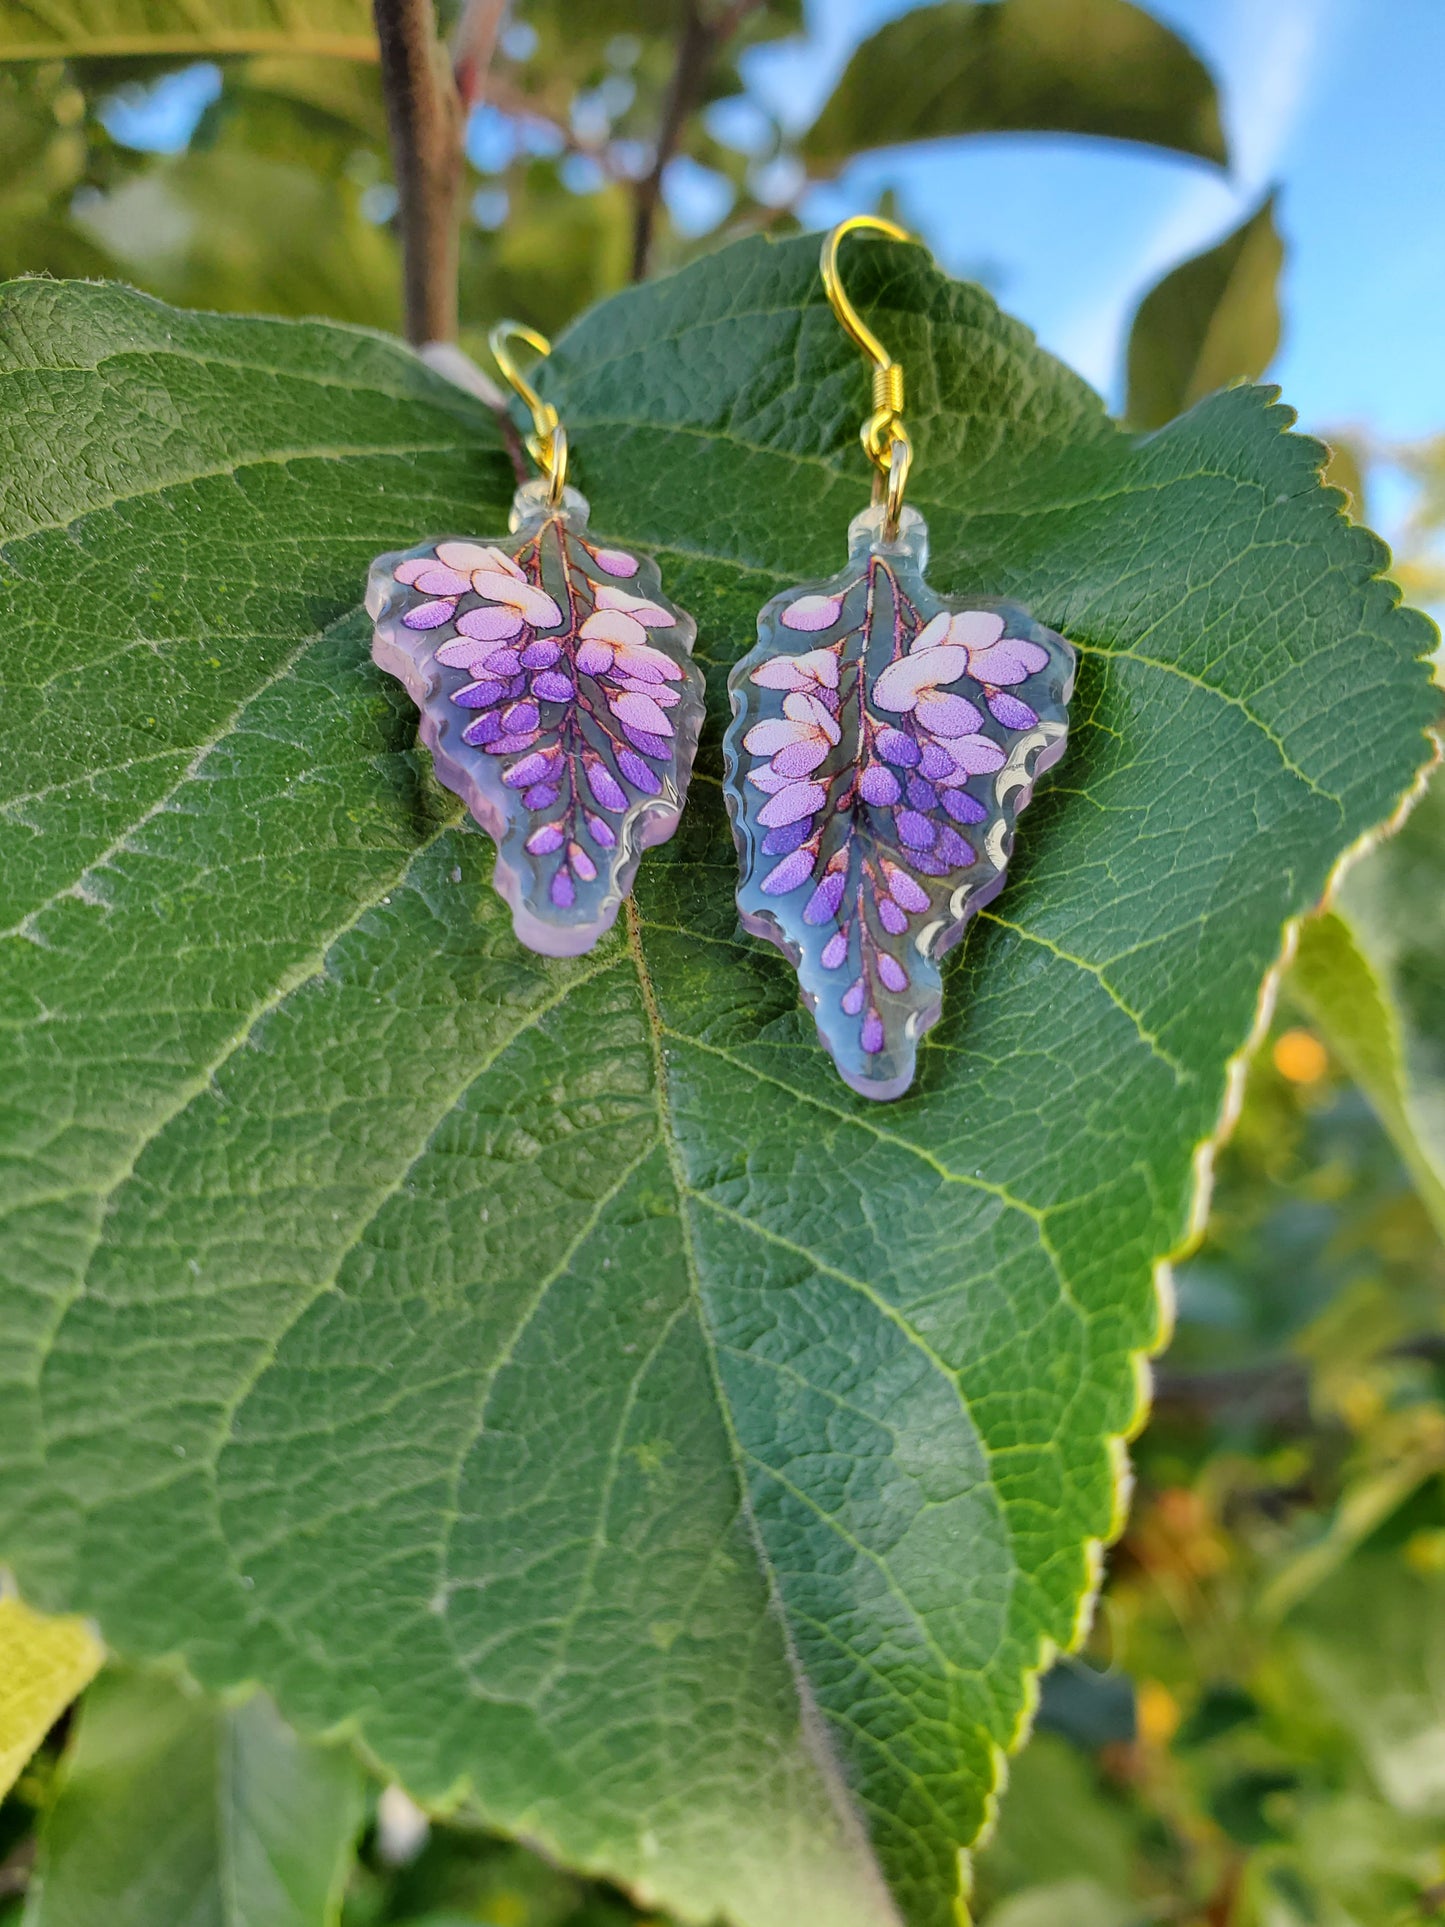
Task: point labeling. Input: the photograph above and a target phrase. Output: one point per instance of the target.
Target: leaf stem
(424, 119)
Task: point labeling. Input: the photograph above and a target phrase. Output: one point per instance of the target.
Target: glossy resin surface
(558, 698)
(883, 743)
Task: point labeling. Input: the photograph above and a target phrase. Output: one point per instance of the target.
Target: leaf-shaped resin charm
(558, 698)
(884, 740)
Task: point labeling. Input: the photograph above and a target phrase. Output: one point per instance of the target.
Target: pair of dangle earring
(883, 742)
(556, 686)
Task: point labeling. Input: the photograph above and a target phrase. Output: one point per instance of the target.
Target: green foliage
(172, 1809)
(548, 1367)
(1021, 66)
(189, 28)
(1210, 321)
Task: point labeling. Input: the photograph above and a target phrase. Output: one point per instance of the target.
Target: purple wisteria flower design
(558, 698)
(883, 742)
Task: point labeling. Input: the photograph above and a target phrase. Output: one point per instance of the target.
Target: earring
(883, 742)
(557, 690)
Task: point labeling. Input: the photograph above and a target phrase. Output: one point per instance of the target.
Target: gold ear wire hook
(884, 438)
(547, 444)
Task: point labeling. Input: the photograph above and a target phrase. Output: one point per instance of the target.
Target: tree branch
(424, 120)
(695, 49)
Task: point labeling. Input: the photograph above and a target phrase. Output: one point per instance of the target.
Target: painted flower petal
(800, 758)
(490, 625)
(650, 614)
(578, 858)
(822, 906)
(892, 917)
(932, 633)
(612, 625)
(483, 731)
(976, 755)
(803, 708)
(641, 712)
(530, 770)
(1009, 661)
(871, 1035)
(541, 796)
(835, 951)
(798, 672)
(902, 682)
(903, 889)
(604, 785)
(594, 658)
(1009, 711)
(768, 780)
(480, 695)
(602, 834)
(962, 807)
(460, 653)
(768, 737)
(641, 775)
(879, 786)
(853, 997)
(429, 615)
(788, 874)
(549, 837)
(812, 612)
(915, 830)
(541, 653)
(535, 604)
(552, 686)
(798, 799)
(895, 747)
(616, 562)
(892, 972)
(407, 572)
(786, 837)
(466, 556)
(563, 891)
(976, 629)
(646, 663)
(437, 581)
(946, 715)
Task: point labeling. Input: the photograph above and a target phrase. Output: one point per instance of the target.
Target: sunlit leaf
(1021, 66)
(44, 1663)
(340, 28)
(547, 1367)
(1209, 322)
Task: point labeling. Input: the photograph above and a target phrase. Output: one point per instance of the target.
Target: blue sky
(1337, 100)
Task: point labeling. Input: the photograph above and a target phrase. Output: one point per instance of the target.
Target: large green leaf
(1210, 321)
(176, 1812)
(550, 1367)
(1021, 66)
(1371, 973)
(65, 29)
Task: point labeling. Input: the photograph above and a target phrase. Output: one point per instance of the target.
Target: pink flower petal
(800, 759)
(787, 875)
(902, 682)
(766, 738)
(594, 658)
(975, 629)
(641, 711)
(436, 581)
(806, 709)
(616, 562)
(650, 614)
(1009, 661)
(649, 665)
(933, 633)
(461, 653)
(789, 805)
(612, 625)
(466, 556)
(768, 781)
(976, 755)
(812, 612)
(535, 604)
(408, 571)
(490, 624)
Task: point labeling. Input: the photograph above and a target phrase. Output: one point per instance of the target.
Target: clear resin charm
(884, 740)
(558, 698)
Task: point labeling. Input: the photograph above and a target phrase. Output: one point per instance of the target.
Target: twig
(424, 119)
(698, 46)
(473, 44)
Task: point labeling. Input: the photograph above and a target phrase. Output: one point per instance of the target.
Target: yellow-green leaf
(205, 29)
(44, 1663)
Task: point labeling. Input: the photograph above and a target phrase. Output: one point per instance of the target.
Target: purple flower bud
(579, 860)
(891, 917)
(872, 1036)
(915, 830)
(895, 747)
(937, 763)
(786, 837)
(962, 807)
(953, 849)
(541, 796)
(1009, 711)
(479, 695)
(541, 654)
(927, 863)
(835, 950)
(788, 874)
(603, 784)
(602, 834)
(879, 786)
(521, 717)
(853, 997)
(563, 892)
(923, 796)
(823, 904)
(507, 744)
(483, 730)
(892, 972)
(543, 841)
(904, 890)
(552, 686)
(638, 774)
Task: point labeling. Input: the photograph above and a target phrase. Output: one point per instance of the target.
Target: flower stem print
(559, 699)
(882, 745)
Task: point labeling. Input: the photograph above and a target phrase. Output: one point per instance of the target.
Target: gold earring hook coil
(547, 444)
(884, 438)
